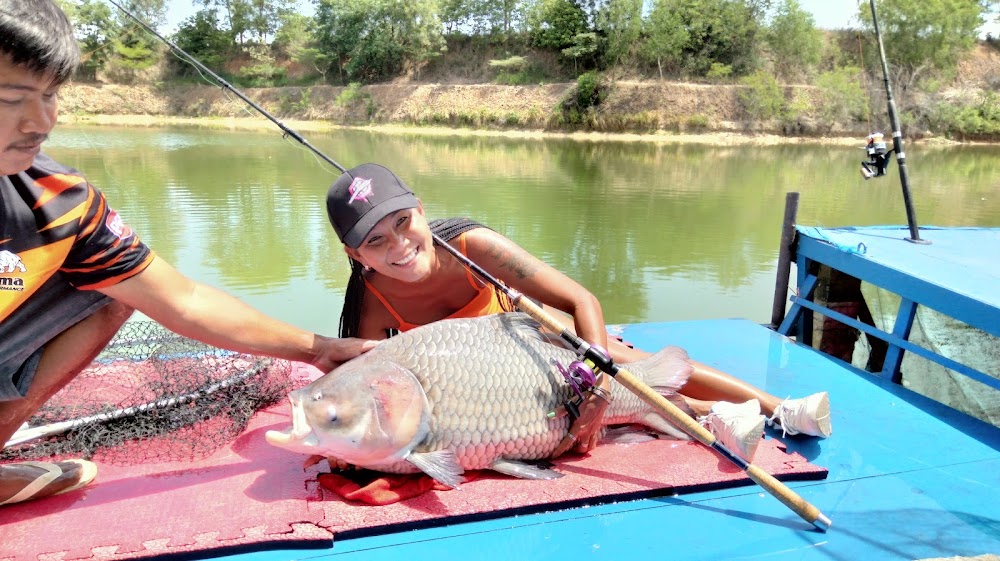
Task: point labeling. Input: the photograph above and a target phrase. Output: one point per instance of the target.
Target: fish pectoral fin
(524, 470)
(628, 434)
(442, 465)
(660, 423)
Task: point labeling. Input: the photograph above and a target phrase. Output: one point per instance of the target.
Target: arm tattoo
(522, 263)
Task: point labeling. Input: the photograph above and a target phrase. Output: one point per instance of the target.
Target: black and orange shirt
(59, 240)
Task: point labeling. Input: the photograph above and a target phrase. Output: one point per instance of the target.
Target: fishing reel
(581, 375)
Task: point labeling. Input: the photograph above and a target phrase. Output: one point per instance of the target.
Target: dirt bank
(634, 110)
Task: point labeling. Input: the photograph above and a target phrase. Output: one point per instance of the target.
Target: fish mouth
(299, 433)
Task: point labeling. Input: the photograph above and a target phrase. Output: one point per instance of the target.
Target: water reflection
(658, 231)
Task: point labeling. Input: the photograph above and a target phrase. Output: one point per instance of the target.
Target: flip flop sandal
(88, 471)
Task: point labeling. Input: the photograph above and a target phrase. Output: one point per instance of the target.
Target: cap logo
(360, 190)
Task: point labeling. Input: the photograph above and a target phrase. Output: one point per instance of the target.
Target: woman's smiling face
(400, 246)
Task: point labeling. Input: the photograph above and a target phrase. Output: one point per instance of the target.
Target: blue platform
(956, 273)
(908, 479)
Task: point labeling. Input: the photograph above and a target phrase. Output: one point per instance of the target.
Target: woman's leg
(706, 386)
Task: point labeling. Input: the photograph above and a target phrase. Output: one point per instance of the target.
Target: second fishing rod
(598, 358)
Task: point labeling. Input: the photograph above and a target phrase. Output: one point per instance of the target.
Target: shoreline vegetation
(718, 71)
(458, 110)
(263, 125)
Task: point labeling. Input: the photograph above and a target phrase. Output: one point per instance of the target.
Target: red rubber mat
(250, 496)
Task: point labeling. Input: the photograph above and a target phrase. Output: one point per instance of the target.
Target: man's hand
(331, 353)
(586, 430)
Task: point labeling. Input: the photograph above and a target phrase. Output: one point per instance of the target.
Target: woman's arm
(525, 273)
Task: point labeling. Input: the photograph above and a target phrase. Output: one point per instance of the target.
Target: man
(72, 271)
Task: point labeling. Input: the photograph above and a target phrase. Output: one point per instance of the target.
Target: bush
(762, 96)
(581, 103)
(351, 94)
(517, 71)
(697, 122)
(843, 97)
(719, 71)
(975, 120)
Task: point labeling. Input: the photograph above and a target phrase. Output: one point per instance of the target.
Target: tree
(201, 36)
(340, 27)
(370, 40)
(584, 44)
(265, 17)
(237, 16)
(419, 29)
(134, 48)
(923, 36)
(793, 39)
(553, 24)
(456, 14)
(666, 36)
(620, 21)
(96, 29)
(501, 16)
(722, 31)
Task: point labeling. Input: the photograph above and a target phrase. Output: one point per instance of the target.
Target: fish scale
(484, 386)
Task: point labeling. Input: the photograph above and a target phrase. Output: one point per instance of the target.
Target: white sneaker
(808, 415)
(867, 174)
(738, 426)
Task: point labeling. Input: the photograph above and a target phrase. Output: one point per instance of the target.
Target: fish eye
(318, 396)
(331, 414)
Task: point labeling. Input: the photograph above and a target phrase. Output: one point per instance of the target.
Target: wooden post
(784, 259)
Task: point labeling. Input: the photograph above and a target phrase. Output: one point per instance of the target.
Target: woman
(401, 279)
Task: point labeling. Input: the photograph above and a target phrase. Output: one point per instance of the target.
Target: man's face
(28, 105)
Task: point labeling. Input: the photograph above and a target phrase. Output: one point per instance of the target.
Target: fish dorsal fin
(442, 465)
(523, 325)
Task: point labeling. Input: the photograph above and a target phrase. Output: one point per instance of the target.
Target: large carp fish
(460, 394)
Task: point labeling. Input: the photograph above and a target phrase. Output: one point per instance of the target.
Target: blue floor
(909, 479)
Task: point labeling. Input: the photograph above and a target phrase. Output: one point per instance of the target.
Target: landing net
(153, 395)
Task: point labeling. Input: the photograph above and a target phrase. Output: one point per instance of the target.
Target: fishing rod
(227, 86)
(771, 484)
(662, 405)
(897, 139)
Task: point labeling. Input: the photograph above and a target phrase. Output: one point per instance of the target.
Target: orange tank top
(488, 300)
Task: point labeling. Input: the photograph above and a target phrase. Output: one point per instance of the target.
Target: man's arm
(209, 315)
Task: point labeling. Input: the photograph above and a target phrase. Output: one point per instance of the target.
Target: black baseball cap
(362, 196)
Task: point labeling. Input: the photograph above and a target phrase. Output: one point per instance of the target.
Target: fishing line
(776, 488)
(288, 132)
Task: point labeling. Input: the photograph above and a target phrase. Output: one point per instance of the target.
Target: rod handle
(540, 315)
(779, 490)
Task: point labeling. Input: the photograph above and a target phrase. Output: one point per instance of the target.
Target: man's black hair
(37, 35)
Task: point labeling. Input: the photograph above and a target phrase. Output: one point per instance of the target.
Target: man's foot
(24, 481)
(738, 426)
(866, 174)
(808, 415)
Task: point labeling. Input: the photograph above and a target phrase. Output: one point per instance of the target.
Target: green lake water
(658, 231)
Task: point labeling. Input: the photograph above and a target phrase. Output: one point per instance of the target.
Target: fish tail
(666, 371)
